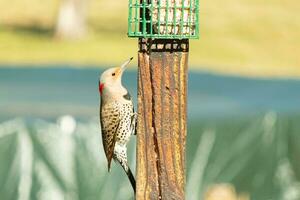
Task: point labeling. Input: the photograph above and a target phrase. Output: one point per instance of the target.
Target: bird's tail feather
(129, 175)
(131, 179)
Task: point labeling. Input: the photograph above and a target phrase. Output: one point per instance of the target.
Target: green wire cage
(166, 19)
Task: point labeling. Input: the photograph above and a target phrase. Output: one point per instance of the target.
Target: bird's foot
(134, 123)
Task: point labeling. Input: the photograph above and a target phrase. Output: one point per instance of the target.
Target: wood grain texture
(161, 137)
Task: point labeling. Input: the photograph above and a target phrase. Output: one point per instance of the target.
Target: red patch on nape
(101, 87)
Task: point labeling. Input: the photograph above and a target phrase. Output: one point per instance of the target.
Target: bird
(117, 118)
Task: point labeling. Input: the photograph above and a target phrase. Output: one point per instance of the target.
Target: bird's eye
(113, 74)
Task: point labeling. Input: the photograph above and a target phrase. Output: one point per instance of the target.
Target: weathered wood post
(163, 28)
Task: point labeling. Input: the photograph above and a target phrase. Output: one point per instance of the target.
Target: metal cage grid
(168, 19)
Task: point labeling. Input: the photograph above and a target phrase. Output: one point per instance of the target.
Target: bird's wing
(110, 121)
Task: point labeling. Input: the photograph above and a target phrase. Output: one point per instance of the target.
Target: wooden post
(161, 137)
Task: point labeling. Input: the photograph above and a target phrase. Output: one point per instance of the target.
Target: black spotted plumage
(118, 122)
(109, 129)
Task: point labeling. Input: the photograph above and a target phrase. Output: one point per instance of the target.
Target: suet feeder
(163, 29)
(166, 19)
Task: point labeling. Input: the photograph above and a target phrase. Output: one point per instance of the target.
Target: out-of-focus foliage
(258, 156)
(251, 153)
(41, 161)
(243, 137)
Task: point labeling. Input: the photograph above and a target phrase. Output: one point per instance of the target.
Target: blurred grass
(244, 37)
(25, 48)
(41, 160)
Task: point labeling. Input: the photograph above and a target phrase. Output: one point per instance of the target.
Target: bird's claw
(134, 123)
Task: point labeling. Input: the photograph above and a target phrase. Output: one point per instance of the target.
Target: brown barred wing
(110, 121)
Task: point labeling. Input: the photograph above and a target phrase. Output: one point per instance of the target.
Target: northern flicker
(117, 117)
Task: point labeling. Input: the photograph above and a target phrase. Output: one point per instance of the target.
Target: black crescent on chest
(127, 96)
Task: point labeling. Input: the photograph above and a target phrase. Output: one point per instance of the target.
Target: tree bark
(161, 137)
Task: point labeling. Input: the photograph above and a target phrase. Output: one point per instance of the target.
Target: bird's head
(111, 79)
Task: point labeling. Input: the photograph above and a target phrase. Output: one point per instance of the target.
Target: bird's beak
(124, 66)
(121, 69)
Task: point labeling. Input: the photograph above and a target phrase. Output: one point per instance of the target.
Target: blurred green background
(243, 102)
(249, 37)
